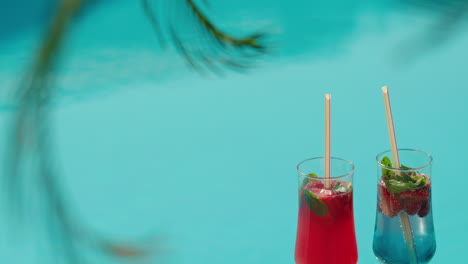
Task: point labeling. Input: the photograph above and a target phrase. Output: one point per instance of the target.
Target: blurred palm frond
(30, 161)
(434, 5)
(203, 45)
(32, 179)
(448, 17)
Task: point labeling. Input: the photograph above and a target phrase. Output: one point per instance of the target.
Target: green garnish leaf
(340, 188)
(418, 182)
(306, 180)
(396, 186)
(387, 163)
(401, 181)
(422, 182)
(317, 206)
(337, 185)
(411, 173)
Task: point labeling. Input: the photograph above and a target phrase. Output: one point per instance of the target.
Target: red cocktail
(325, 231)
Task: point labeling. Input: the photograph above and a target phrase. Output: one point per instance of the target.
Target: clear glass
(325, 229)
(404, 230)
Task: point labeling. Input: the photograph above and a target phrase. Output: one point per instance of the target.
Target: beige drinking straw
(327, 141)
(404, 218)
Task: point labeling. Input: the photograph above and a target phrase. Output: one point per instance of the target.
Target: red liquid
(330, 239)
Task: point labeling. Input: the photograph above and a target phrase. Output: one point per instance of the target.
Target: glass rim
(404, 149)
(323, 178)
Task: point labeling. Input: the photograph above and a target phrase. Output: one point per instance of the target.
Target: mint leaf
(422, 181)
(317, 206)
(306, 180)
(411, 173)
(417, 182)
(339, 187)
(396, 186)
(401, 181)
(406, 167)
(387, 163)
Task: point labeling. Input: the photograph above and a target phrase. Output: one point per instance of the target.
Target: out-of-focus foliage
(449, 16)
(30, 158)
(198, 39)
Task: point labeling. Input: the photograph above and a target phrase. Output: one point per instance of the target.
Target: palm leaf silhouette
(203, 45)
(449, 17)
(30, 150)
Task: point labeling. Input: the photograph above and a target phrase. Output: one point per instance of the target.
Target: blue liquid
(389, 243)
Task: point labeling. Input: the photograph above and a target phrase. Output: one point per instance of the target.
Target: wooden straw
(327, 155)
(404, 218)
(391, 128)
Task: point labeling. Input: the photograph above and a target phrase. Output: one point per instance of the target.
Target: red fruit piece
(422, 193)
(388, 203)
(411, 207)
(425, 207)
(412, 201)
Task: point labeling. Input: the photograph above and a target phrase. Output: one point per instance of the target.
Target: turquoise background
(208, 163)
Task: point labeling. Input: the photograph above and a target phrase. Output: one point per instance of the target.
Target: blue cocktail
(404, 229)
